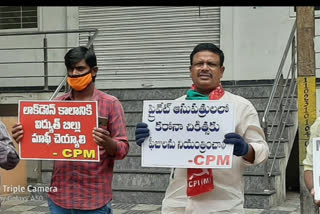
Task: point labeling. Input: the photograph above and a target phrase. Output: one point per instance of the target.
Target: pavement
(28, 205)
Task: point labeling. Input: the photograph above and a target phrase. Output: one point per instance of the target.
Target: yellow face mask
(80, 82)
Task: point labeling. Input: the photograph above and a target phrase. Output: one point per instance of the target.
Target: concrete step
(260, 199)
(272, 119)
(132, 180)
(287, 132)
(259, 183)
(150, 196)
(278, 147)
(260, 168)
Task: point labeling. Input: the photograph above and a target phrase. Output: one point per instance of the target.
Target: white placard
(188, 134)
(316, 167)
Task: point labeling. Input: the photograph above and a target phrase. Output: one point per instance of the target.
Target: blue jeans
(55, 209)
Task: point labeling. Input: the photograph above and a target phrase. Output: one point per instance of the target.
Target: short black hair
(77, 54)
(207, 47)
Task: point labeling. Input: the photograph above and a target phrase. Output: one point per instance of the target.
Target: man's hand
(317, 202)
(142, 132)
(102, 138)
(17, 132)
(241, 148)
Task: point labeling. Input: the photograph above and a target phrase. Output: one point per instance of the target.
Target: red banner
(58, 130)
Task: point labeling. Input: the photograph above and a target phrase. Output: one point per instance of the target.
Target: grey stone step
(260, 104)
(289, 127)
(260, 168)
(140, 181)
(151, 196)
(144, 170)
(260, 200)
(258, 183)
(128, 163)
(271, 116)
(134, 149)
(262, 91)
(278, 147)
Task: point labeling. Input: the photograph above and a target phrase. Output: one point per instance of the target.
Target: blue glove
(142, 132)
(240, 148)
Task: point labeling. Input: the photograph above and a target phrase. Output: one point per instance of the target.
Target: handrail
(284, 123)
(281, 105)
(275, 118)
(273, 91)
(58, 88)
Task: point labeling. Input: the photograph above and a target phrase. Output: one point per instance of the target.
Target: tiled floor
(21, 205)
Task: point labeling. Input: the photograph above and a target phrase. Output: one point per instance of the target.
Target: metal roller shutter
(148, 46)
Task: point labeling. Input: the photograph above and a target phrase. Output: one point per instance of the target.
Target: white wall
(253, 39)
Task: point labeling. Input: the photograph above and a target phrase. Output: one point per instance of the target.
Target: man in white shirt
(308, 161)
(250, 147)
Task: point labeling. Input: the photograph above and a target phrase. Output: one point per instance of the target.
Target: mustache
(205, 73)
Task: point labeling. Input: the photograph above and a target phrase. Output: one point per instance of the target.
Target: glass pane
(29, 19)
(29, 25)
(10, 26)
(29, 13)
(18, 17)
(29, 8)
(9, 9)
(8, 15)
(11, 21)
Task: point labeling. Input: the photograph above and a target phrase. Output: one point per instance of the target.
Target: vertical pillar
(306, 95)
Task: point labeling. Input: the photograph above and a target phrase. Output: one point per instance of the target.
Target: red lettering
(223, 161)
(196, 160)
(210, 158)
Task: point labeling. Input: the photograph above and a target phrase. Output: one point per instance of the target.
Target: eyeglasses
(201, 64)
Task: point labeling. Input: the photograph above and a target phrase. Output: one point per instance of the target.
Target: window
(18, 17)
